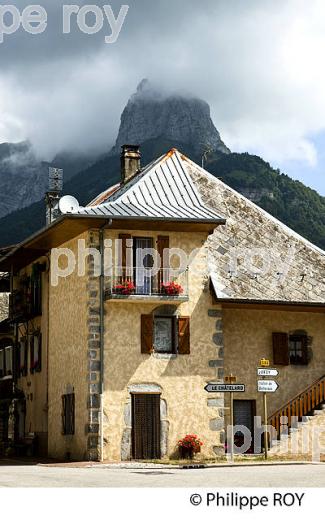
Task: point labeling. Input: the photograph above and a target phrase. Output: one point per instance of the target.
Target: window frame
(174, 338)
(4, 370)
(294, 359)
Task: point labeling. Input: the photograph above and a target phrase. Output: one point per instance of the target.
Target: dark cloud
(257, 64)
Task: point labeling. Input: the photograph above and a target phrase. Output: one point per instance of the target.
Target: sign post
(266, 386)
(229, 386)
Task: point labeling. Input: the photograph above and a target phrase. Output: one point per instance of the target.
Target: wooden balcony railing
(301, 405)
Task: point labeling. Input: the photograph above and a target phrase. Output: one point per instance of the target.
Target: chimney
(130, 161)
(52, 196)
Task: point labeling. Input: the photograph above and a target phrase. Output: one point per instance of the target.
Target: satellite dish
(68, 204)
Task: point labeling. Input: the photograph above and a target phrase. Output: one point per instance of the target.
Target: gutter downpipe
(102, 334)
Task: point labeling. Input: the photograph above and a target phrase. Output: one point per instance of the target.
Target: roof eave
(62, 230)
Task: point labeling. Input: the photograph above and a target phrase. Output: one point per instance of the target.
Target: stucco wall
(181, 378)
(34, 385)
(248, 338)
(68, 360)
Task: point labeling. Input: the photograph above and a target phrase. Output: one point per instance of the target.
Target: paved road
(101, 476)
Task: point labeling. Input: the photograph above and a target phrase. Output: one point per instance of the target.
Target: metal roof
(164, 189)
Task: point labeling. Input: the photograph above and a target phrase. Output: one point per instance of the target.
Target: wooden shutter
(280, 348)
(123, 259)
(162, 244)
(184, 335)
(146, 333)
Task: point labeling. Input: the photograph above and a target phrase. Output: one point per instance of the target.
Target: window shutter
(280, 348)
(162, 244)
(146, 333)
(123, 259)
(184, 335)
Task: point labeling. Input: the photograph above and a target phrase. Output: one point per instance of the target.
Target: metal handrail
(147, 281)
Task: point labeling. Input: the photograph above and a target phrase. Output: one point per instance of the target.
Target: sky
(258, 63)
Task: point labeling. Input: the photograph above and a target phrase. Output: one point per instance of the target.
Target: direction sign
(267, 372)
(219, 387)
(267, 385)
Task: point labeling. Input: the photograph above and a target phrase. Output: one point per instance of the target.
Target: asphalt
(275, 475)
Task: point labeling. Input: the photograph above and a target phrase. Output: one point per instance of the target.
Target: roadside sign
(265, 362)
(273, 372)
(267, 385)
(230, 380)
(220, 387)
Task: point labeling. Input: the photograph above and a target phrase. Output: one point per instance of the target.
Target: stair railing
(300, 405)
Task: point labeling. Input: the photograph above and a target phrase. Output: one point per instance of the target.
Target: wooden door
(146, 426)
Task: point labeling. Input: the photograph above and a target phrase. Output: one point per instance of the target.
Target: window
(164, 339)
(6, 361)
(68, 414)
(163, 333)
(298, 350)
(290, 349)
(36, 352)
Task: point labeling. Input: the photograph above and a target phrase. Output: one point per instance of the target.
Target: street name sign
(267, 386)
(220, 387)
(273, 372)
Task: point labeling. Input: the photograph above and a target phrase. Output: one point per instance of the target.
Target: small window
(298, 350)
(164, 340)
(68, 414)
(6, 361)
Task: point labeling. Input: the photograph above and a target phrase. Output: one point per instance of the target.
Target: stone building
(113, 350)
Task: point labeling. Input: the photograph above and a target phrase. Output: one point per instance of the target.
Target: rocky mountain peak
(152, 113)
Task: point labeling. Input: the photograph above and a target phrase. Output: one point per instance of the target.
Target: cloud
(258, 64)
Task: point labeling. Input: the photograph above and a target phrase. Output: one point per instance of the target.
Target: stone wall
(4, 303)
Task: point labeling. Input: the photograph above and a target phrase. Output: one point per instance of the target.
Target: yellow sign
(265, 363)
(231, 380)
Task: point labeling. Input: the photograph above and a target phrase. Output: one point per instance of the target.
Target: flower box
(172, 289)
(124, 288)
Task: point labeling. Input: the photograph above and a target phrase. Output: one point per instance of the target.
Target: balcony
(147, 285)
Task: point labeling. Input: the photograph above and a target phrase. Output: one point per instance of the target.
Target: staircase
(299, 422)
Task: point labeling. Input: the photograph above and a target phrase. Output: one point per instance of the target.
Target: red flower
(172, 288)
(191, 441)
(124, 288)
